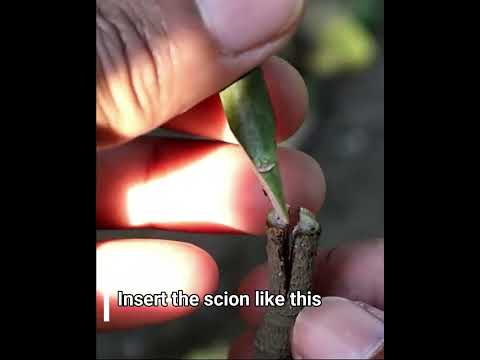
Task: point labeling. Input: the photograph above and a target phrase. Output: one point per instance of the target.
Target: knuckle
(134, 61)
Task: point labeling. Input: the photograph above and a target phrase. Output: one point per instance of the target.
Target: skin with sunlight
(185, 192)
(150, 267)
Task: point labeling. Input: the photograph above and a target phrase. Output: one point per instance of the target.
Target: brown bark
(290, 252)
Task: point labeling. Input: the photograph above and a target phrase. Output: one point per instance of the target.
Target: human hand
(339, 328)
(160, 63)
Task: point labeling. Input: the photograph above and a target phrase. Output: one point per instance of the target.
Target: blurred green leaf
(343, 44)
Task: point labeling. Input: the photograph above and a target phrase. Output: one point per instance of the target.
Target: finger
(289, 98)
(195, 186)
(320, 332)
(256, 280)
(354, 271)
(243, 346)
(323, 337)
(157, 59)
(150, 267)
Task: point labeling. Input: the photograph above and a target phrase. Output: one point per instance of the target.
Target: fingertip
(288, 94)
(150, 267)
(354, 270)
(338, 329)
(205, 270)
(304, 180)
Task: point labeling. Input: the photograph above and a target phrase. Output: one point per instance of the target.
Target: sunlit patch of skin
(169, 198)
(150, 267)
(186, 185)
(137, 267)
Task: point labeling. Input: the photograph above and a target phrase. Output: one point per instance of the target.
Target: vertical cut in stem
(290, 249)
(291, 253)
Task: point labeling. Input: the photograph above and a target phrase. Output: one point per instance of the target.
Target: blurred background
(339, 50)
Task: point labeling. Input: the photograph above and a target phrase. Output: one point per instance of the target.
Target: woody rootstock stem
(290, 252)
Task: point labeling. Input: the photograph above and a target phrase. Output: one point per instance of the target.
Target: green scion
(250, 116)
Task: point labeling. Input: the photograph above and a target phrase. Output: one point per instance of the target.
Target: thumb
(156, 59)
(339, 329)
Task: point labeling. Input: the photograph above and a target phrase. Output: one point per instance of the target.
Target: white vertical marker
(106, 306)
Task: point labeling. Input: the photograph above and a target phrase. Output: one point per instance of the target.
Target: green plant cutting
(291, 234)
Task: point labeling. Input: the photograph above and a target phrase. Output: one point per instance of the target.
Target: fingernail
(242, 25)
(338, 329)
(370, 309)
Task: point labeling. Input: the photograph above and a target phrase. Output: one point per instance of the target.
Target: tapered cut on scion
(250, 116)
